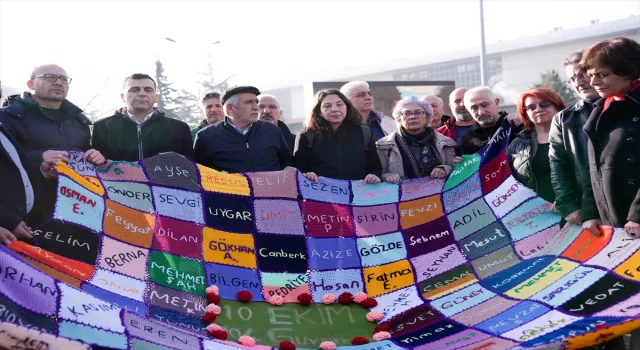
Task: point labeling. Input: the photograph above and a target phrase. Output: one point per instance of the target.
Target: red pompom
(601, 327)
(287, 345)
(222, 335)
(369, 303)
(346, 298)
(359, 341)
(209, 317)
(382, 328)
(213, 299)
(244, 296)
(305, 299)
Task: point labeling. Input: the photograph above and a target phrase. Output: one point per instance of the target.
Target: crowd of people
(583, 157)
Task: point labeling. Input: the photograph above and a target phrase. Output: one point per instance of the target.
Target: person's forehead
(141, 83)
(51, 70)
(244, 96)
(211, 101)
(531, 99)
(268, 100)
(432, 100)
(458, 94)
(411, 106)
(331, 98)
(479, 97)
(360, 89)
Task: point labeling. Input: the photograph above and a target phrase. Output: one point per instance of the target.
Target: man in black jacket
(241, 142)
(139, 130)
(47, 125)
(269, 111)
(568, 145)
(483, 106)
(21, 202)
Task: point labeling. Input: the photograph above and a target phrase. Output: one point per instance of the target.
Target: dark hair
(543, 94)
(210, 95)
(621, 54)
(318, 124)
(139, 76)
(573, 59)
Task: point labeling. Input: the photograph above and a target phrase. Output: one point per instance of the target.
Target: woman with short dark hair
(613, 131)
(528, 153)
(335, 144)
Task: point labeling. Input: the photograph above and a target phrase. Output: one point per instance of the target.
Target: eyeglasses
(544, 104)
(575, 78)
(52, 78)
(417, 113)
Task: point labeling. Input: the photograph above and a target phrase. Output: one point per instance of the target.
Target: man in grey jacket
(568, 145)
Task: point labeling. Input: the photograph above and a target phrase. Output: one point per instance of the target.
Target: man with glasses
(47, 125)
(360, 95)
(568, 145)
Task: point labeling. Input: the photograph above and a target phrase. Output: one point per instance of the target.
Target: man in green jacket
(211, 110)
(140, 130)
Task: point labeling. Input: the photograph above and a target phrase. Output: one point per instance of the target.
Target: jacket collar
(157, 114)
(283, 127)
(18, 106)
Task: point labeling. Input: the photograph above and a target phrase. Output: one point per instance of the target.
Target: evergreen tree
(210, 82)
(166, 93)
(188, 107)
(551, 80)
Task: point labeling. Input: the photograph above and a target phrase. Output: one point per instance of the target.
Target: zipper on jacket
(250, 157)
(140, 153)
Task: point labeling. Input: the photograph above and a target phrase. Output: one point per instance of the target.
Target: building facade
(513, 66)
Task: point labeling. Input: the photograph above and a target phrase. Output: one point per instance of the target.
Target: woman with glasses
(528, 153)
(335, 144)
(415, 150)
(613, 137)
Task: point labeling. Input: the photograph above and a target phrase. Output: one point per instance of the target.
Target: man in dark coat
(139, 130)
(483, 106)
(47, 125)
(269, 111)
(21, 204)
(241, 142)
(568, 144)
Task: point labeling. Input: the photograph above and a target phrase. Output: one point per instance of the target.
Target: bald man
(438, 111)
(462, 119)
(269, 111)
(47, 125)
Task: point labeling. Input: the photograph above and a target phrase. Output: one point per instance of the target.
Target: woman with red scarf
(613, 132)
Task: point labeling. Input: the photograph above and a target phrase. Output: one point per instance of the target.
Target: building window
(464, 73)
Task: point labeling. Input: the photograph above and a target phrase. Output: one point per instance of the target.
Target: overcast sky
(263, 42)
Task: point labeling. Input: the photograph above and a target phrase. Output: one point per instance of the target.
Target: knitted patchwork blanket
(474, 261)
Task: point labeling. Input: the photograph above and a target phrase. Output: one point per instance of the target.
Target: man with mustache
(211, 110)
(270, 111)
(482, 104)
(139, 130)
(462, 119)
(241, 142)
(568, 144)
(46, 125)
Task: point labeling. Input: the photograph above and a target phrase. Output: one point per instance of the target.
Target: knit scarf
(430, 158)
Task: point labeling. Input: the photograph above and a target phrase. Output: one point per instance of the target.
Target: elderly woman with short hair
(415, 150)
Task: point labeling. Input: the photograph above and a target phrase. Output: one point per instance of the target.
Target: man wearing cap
(241, 142)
